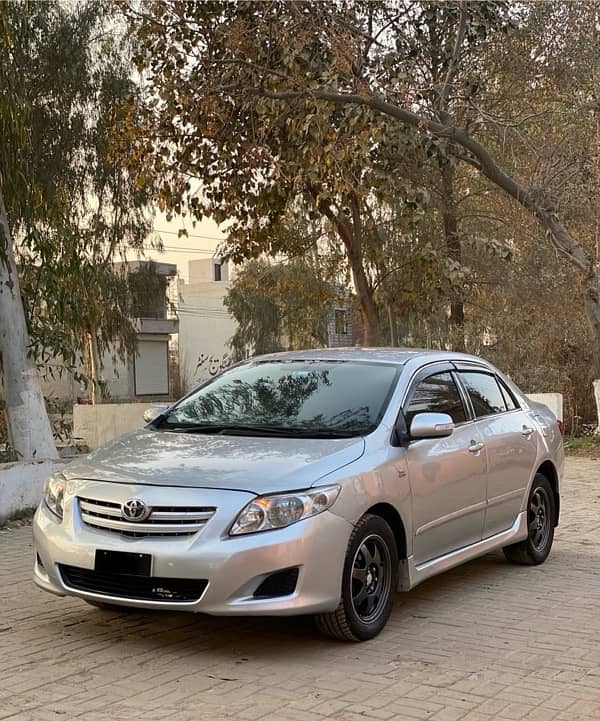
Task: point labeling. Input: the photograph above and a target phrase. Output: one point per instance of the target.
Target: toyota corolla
(315, 482)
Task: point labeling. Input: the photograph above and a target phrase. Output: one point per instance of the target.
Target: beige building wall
(205, 326)
(96, 425)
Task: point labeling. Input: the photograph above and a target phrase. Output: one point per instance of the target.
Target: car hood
(256, 464)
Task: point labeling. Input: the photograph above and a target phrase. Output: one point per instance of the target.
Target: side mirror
(431, 425)
(154, 411)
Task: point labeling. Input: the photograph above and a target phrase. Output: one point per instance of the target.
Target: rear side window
(436, 394)
(509, 399)
(484, 392)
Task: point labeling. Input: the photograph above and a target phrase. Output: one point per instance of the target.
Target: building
(205, 325)
(146, 375)
(340, 321)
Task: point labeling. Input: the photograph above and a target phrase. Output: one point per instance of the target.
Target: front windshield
(310, 398)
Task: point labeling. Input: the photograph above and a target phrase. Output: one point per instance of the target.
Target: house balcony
(156, 326)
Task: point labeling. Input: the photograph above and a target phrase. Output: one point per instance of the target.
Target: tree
(277, 306)
(370, 56)
(68, 204)
(256, 160)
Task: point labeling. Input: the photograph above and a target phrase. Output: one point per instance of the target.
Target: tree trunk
(95, 363)
(366, 299)
(454, 250)
(351, 236)
(28, 422)
(366, 305)
(596, 385)
(593, 307)
(392, 323)
(591, 299)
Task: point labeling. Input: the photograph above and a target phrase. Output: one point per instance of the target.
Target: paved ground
(485, 641)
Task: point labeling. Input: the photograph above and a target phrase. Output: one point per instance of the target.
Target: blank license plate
(133, 564)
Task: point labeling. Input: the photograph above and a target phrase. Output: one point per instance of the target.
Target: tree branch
(453, 66)
(559, 236)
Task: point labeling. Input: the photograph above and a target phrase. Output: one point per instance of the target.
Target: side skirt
(412, 574)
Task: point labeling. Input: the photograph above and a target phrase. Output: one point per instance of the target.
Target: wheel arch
(548, 470)
(391, 516)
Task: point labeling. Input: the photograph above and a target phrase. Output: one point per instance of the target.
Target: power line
(183, 316)
(179, 249)
(190, 235)
(210, 308)
(203, 310)
(223, 313)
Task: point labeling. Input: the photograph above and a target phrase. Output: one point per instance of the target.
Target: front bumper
(233, 566)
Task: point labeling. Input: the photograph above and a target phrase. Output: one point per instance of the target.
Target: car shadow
(257, 637)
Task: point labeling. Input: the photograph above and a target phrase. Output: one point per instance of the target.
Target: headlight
(54, 493)
(268, 512)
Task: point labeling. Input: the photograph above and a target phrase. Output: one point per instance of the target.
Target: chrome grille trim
(162, 521)
(174, 516)
(103, 508)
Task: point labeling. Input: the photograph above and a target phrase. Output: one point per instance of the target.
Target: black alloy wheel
(371, 576)
(369, 583)
(541, 520)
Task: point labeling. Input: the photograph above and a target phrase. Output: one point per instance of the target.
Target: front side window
(436, 394)
(309, 398)
(484, 392)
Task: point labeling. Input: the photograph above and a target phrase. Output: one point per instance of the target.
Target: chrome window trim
(431, 369)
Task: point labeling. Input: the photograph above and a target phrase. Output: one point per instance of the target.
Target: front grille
(163, 520)
(137, 588)
(282, 583)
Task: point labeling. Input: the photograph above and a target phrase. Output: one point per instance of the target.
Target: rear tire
(369, 583)
(541, 520)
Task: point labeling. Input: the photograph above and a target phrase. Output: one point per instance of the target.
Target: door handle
(527, 431)
(476, 447)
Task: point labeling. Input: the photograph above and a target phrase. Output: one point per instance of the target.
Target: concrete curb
(21, 485)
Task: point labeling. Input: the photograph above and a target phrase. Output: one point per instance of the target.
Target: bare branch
(560, 238)
(454, 60)
(251, 65)
(469, 160)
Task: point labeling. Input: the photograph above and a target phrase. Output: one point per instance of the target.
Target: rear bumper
(234, 567)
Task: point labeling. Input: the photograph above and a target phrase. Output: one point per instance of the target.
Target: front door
(447, 475)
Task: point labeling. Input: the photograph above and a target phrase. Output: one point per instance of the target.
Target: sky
(201, 242)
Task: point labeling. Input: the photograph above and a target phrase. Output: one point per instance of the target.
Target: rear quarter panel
(551, 440)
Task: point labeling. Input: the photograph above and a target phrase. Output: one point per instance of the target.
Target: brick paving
(485, 641)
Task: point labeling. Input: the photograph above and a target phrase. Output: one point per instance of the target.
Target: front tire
(369, 583)
(541, 520)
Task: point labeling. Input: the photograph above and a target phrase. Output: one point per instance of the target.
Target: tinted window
(509, 399)
(436, 394)
(484, 392)
(311, 398)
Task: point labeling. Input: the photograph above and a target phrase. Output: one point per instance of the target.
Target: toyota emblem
(135, 510)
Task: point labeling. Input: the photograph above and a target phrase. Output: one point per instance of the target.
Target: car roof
(397, 356)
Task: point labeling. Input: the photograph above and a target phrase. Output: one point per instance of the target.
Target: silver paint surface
(454, 503)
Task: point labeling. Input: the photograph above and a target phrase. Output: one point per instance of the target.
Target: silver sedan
(315, 482)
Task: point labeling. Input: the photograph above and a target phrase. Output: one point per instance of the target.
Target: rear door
(510, 442)
(447, 475)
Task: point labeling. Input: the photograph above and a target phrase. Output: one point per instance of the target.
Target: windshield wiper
(225, 429)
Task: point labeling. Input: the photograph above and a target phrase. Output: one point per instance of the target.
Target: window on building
(217, 267)
(341, 322)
